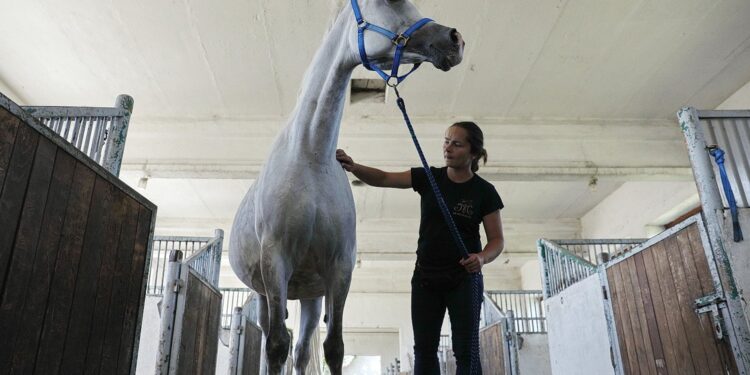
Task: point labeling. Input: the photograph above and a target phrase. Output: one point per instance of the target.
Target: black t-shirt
(468, 202)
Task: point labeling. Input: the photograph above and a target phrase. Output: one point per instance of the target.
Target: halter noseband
(400, 40)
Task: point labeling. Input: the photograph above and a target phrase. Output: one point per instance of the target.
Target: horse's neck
(314, 125)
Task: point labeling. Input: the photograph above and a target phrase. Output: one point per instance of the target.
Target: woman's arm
(374, 176)
(493, 228)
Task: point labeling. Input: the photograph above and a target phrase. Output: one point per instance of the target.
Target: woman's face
(456, 148)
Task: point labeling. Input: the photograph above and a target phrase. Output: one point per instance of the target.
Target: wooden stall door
(653, 295)
(195, 345)
(73, 250)
(491, 349)
(250, 350)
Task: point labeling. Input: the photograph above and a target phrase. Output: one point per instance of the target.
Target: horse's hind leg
(309, 319)
(276, 271)
(333, 346)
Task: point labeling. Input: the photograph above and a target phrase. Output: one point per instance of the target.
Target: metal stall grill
(162, 246)
(731, 131)
(207, 260)
(100, 133)
(232, 297)
(566, 262)
(590, 250)
(527, 307)
(191, 311)
(561, 268)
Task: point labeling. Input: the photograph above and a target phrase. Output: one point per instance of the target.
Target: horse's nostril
(456, 37)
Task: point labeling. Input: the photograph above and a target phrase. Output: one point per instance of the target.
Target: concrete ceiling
(566, 91)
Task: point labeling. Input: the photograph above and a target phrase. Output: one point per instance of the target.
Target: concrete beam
(491, 172)
(520, 150)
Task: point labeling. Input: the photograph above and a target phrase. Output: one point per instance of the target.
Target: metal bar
(87, 136)
(118, 135)
(53, 111)
(609, 316)
(100, 130)
(708, 114)
(607, 241)
(713, 211)
(513, 343)
(201, 240)
(235, 336)
(169, 308)
(76, 131)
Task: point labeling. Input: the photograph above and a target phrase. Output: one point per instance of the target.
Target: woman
(441, 277)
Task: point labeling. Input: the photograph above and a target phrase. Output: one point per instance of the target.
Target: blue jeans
(429, 301)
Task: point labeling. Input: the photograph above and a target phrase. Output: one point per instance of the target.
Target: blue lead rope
(477, 297)
(400, 41)
(718, 155)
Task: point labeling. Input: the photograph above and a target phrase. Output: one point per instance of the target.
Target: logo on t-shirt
(464, 208)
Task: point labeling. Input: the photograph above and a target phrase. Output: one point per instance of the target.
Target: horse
(293, 235)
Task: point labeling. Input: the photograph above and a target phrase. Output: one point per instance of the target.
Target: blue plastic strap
(387, 33)
(416, 26)
(357, 12)
(718, 155)
(362, 52)
(362, 25)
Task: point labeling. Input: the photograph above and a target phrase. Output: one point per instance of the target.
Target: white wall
(578, 336)
(639, 209)
(738, 100)
(383, 311)
(373, 344)
(148, 348)
(533, 357)
(531, 276)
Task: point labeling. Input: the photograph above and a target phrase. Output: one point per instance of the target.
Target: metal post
(117, 136)
(234, 342)
(543, 265)
(713, 210)
(609, 316)
(169, 306)
(512, 339)
(218, 233)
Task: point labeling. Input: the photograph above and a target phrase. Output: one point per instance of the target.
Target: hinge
(177, 285)
(712, 303)
(604, 292)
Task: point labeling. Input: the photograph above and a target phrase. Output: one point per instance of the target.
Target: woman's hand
(346, 161)
(473, 263)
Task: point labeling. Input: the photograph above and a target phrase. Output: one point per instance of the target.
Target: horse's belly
(314, 222)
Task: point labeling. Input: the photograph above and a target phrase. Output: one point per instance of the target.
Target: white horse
(293, 236)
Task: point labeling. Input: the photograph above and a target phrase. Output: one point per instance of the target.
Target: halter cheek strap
(400, 40)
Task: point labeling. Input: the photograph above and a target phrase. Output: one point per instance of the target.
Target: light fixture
(143, 182)
(593, 182)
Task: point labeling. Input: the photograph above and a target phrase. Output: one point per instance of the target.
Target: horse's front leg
(336, 291)
(276, 272)
(309, 319)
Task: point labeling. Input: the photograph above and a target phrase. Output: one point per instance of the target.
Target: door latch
(712, 304)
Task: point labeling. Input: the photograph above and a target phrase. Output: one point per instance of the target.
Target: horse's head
(442, 46)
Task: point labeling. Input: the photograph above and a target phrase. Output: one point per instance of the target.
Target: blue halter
(400, 40)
